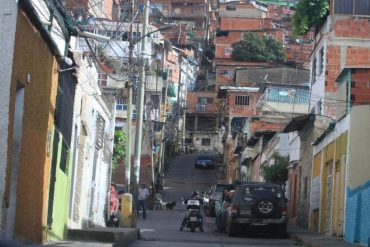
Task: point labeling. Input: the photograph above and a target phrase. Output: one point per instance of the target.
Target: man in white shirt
(143, 193)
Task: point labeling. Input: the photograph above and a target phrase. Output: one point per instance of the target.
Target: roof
(326, 132)
(286, 75)
(224, 89)
(265, 85)
(267, 134)
(240, 89)
(298, 123)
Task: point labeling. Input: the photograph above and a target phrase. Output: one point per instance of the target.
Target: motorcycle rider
(194, 196)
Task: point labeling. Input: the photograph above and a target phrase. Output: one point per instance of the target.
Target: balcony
(281, 103)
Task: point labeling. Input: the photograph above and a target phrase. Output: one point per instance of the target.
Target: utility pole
(184, 100)
(139, 117)
(129, 99)
(163, 146)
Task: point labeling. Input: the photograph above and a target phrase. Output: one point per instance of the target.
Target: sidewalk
(316, 240)
(99, 237)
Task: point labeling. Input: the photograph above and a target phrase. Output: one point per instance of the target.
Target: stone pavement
(310, 239)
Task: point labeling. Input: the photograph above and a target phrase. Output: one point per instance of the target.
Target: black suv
(212, 195)
(258, 204)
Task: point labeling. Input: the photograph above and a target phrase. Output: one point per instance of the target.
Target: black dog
(170, 205)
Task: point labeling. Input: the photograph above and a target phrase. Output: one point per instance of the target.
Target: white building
(92, 146)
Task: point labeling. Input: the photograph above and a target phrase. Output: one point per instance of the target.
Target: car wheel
(281, 231)
(231, 229)
(264, 207)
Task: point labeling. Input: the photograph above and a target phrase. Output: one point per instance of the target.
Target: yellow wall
(316, 171)
(32, 57)
(320, 168)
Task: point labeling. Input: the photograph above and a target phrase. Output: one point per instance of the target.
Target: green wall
(61, 198)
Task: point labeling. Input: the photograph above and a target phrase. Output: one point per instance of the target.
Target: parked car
(204, 161)
(258, 204)
(212, 195)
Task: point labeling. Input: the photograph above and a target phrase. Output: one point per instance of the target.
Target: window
(226, 73)
(201, 100)
(206, 142)
(102, 79)
(201, 107)
(120, 104)
(64, 157)
(314, 69)
(321, 61)
(241, 100)
(228, 51)
(204, 100)
(231, 8)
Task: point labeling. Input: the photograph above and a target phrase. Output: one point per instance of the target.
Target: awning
(298, 123)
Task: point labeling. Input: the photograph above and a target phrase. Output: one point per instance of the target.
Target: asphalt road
(161, 228)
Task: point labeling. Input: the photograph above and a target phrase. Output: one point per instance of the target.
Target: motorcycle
(193, 216)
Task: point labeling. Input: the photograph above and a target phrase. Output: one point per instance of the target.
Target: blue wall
(357, 215)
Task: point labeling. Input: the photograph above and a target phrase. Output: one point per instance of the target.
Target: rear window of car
(254, 190)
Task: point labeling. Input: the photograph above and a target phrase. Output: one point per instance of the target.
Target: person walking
(143, 193)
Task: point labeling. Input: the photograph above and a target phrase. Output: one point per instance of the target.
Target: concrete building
(33, 123)
(93, 123)
(349, 211)
(8, 16)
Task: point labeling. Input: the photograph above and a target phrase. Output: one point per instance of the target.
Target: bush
(278, 172)
(258, 49)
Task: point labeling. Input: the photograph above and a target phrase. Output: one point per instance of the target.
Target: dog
(170, 205)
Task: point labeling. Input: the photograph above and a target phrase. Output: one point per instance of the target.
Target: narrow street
(161, 228)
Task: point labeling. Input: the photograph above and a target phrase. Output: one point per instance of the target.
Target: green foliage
(278, 172)
(258, 49)
(309, 13)
(119, 148)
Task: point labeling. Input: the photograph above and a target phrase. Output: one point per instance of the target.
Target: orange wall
(32, 56)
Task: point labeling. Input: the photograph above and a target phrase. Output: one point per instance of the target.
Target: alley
(161, 228)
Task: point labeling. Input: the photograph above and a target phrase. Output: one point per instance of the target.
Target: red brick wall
(359, 28)
(244, 24)
(192, 101)
(243, 111)
(360, 89)
(333, 67)
(262, 125)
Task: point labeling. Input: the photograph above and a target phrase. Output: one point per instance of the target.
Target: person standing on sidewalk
(143, 193)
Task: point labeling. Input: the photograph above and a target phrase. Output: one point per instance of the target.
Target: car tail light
(284, 211)
(234, 209)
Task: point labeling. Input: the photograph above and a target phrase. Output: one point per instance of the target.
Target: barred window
(241, 100)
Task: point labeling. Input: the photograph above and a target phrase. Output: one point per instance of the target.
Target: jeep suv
(258, 204)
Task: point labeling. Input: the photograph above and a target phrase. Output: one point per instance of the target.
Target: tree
(278, 172)
(258, 49)
(309, 14)
(119, 148)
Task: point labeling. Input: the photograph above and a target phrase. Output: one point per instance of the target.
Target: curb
(118, 236)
